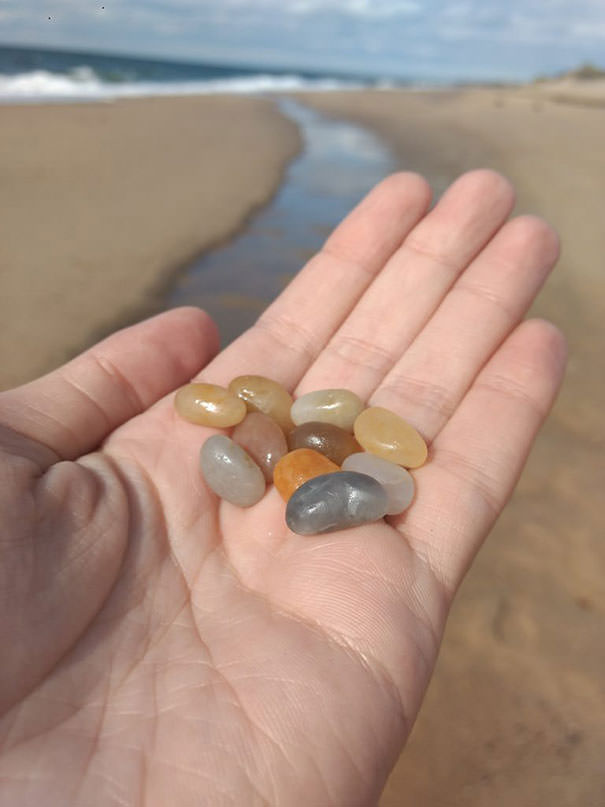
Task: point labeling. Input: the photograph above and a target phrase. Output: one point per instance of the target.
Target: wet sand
(101, 203)
(515, 712)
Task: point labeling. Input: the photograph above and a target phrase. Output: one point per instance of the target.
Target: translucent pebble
(298, 467)
(384, 433)
(337, 406)
(230, 472)
(397, 482)
(334, 442)
(209, 405)
(263, 439)
(334, 502)
(264, 395)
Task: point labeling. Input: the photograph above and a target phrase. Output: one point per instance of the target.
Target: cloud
(403, 37)
(377, 9)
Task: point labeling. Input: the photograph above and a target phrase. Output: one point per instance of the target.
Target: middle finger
(401, 300)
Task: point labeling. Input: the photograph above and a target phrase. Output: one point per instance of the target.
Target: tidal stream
(337, 166)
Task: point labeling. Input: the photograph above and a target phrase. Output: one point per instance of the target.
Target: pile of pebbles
(336, 462)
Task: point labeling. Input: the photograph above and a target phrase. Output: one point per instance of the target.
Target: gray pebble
(230, 472)
(334, 502)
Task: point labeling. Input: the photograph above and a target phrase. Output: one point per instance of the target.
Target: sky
(432, 39)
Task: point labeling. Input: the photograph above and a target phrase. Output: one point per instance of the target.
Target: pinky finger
(478, 456)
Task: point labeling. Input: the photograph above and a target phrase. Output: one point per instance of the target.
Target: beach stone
(230, 472)
(298, 467)
(262, 394)
(334, 502)
(332, 441)
(385, 434)
(262, 438)
(397, 482)
(337, 406)
(209, 405)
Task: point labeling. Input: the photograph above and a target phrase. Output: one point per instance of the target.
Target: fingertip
(534, 358)
(186, 337)
(202, 329)
(530, 231)
(486, 184)
(377, 226)
(402, 187)
(548, 341)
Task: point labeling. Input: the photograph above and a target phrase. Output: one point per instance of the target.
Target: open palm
(163, 647)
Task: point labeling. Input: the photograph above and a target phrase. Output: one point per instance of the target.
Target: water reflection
(339, 163)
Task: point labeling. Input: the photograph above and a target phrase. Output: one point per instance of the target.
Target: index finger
(293, 330)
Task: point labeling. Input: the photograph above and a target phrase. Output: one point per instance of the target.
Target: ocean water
(35, 74)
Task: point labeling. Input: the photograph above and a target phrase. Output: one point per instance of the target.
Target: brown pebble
(263, 439)
(334, 442)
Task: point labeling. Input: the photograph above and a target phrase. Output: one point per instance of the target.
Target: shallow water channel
(338, 164)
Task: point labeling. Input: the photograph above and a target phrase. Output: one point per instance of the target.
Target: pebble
(397, 482)
(264, 395)
(385, 434)
(263, 439)
(337, 406)
(334, 502)
(298, 467)
(334, 442)
(305, 464)
(209, 405)
(230, 472)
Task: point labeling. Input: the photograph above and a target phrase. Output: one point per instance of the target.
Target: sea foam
(83, 84)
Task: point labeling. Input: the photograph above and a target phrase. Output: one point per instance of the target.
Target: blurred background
(160, 152)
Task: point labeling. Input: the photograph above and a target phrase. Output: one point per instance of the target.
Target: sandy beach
(101, 205)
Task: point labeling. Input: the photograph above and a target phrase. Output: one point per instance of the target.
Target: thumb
(72, 409)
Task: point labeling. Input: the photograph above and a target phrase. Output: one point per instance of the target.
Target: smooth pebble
(337, 406)
(209, 405)
(334, 442)
(334, 502)
(262, 394)
(297, 467)
(385, 434)
(263, 439)
(230, 472)
(397, 482)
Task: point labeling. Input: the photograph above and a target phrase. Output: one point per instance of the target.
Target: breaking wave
(82, 83)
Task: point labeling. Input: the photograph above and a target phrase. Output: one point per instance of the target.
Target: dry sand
(515, 714)
(100, 203)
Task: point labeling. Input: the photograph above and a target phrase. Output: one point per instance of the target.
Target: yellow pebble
(209, 405)
(385, 434)
(264, 395)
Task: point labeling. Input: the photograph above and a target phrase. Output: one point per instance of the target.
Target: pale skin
(161, 647)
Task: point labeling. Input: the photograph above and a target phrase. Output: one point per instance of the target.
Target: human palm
(164, 647)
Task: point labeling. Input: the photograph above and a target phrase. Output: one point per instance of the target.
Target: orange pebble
(297, 467)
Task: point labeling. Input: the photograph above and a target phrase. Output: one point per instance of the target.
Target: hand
(163, 648)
